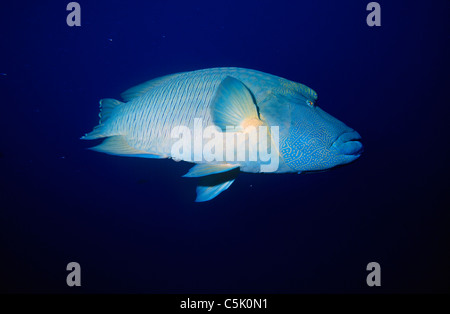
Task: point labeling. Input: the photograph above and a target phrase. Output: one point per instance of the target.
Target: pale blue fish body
(309, 139)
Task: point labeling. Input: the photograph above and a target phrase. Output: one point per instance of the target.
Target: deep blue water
(132, 223)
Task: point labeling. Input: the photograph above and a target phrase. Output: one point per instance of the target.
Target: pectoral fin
(233, 105)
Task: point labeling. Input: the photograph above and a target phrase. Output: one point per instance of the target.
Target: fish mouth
(349, 143)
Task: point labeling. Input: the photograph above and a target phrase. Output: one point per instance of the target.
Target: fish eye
(309, 103)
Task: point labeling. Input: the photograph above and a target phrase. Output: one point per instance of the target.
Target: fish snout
(349, 143)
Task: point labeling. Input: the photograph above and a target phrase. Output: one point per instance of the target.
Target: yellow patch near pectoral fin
(117, 145)
(251, 122)
(234, 105)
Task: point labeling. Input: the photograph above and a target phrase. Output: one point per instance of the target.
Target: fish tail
(107, 107)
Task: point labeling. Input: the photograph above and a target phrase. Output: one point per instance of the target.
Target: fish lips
(349, 144)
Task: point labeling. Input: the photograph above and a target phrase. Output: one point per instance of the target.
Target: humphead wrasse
(225, 120)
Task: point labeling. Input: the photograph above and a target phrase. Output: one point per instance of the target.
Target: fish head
(309, 138)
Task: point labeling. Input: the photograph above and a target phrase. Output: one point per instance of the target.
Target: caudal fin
(107, 107)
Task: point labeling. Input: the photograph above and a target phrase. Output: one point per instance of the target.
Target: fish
(226, 121)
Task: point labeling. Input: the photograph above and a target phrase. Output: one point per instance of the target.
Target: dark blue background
(132, 223)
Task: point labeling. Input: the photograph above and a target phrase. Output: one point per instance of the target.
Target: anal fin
(117, 145)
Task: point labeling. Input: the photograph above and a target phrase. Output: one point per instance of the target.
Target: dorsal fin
(107, 106)
(141, 89)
